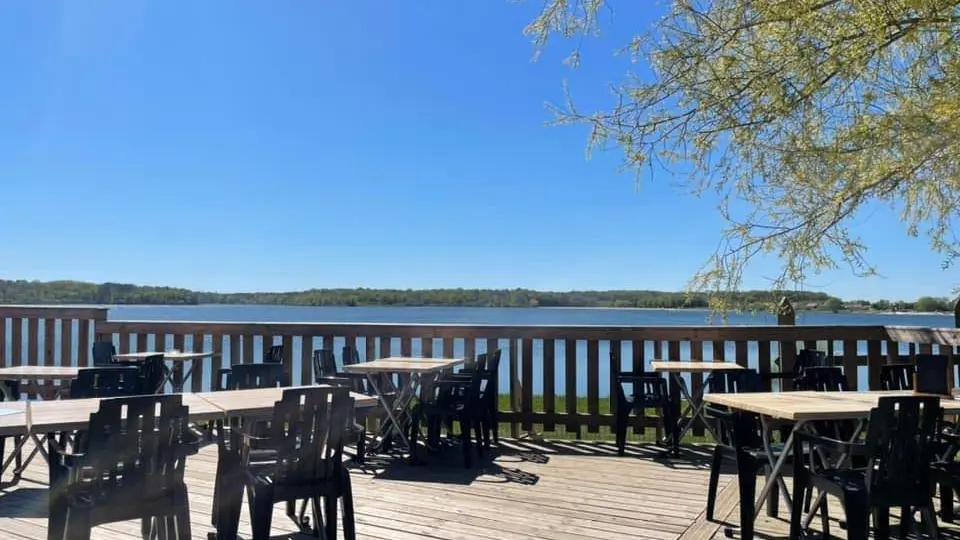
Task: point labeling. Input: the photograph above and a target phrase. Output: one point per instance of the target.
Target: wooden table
(34, 373)
(676, 370)
(399, 408)
(175, 377)
(804, 408)
(261, 401)
(37, 420)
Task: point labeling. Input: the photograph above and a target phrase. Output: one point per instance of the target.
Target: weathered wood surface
(806, 406)
(530, 491)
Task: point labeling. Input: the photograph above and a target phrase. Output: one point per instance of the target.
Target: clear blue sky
(249, 145)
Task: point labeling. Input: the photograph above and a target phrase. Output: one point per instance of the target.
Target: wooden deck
(528, 491)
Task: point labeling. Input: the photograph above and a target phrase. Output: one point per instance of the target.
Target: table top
(666, 366)
(38, 373)
(404, 365)
(261, 401)
(805, 406)
(169, 355)
(74, 414)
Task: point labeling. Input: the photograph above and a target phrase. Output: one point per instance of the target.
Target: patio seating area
(556, 490)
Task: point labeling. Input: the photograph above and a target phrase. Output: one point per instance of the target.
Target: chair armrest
(335, 381)
(817, 441)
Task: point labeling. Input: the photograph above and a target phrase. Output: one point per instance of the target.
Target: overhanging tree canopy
(799, 113)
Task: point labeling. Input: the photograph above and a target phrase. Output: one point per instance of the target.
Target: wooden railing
(553, 378)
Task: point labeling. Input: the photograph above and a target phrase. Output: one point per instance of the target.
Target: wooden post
(786, 316)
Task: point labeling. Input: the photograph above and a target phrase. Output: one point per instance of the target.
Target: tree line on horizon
(74, 292)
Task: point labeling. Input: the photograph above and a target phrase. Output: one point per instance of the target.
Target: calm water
(499, 316)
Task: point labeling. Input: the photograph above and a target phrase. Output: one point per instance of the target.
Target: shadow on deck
(524, 490)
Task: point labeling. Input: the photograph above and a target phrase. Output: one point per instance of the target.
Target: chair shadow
(24, 502)
(694, 457)
(446, 467)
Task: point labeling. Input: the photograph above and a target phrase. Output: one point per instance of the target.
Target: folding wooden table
(175, 377)
(33, 374)
(415, 370)
(676, 370)
(803, 409)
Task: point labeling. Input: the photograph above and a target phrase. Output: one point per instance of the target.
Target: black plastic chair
(325, 371)
(128, 465)
(823, 379)
(900, 445)
(153, 374)
(301, 457)
(250, 376)
(456, 398)
(739, 438)
(107, 382)
(897, 376)
(639, 392)
(932, 374)
(273, 356)
(103, 353)
(489, 394)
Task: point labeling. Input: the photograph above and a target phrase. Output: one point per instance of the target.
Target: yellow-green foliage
(799, 113)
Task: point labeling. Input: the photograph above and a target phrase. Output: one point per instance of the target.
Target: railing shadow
(536, 450)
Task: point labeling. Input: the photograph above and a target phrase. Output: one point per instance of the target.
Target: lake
(511, 317)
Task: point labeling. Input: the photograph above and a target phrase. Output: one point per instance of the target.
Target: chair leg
(881, 523)
(946, 502)
(261, 511)
(77, 525)
(824, 516)
(715, 465)
(930, 520)
(318, 518)
(361, 443)
(495, 420)
(797, 506)
(414, 432)
(620, 428)
(330, 514)
(906, 521)
(747, 478)
(773, 498)
(478, 433)
(346, 501)
(857, 508)
(465, 441)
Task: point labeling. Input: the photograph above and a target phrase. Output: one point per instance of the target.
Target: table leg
(696, 404)
(776, 464)
(403, 397)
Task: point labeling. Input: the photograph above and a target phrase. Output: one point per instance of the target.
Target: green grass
(602, 433)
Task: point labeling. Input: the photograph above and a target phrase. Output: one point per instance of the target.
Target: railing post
(787, 316)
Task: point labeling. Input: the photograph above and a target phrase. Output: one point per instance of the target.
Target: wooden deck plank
(530, 490)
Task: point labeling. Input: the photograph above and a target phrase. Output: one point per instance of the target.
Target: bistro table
(175, 377)
(803, 409)
(37, 421)
(33, 374)
(415, 369)
(676, 370)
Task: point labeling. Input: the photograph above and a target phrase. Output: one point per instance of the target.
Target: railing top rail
(638, 332)
(922, 334)
(53, 312)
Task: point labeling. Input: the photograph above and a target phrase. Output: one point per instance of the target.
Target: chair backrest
(932, 374)
(823, 379)
(901, 440)
(735, 381)
(324, 364)
(274, 355)
(251, 376)
(153, 374)
(897, 376)
(308, 430)
(135, 444)
(106, 382)
(349, 356)
(806, 359)
(103, 353)
(735, 429)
